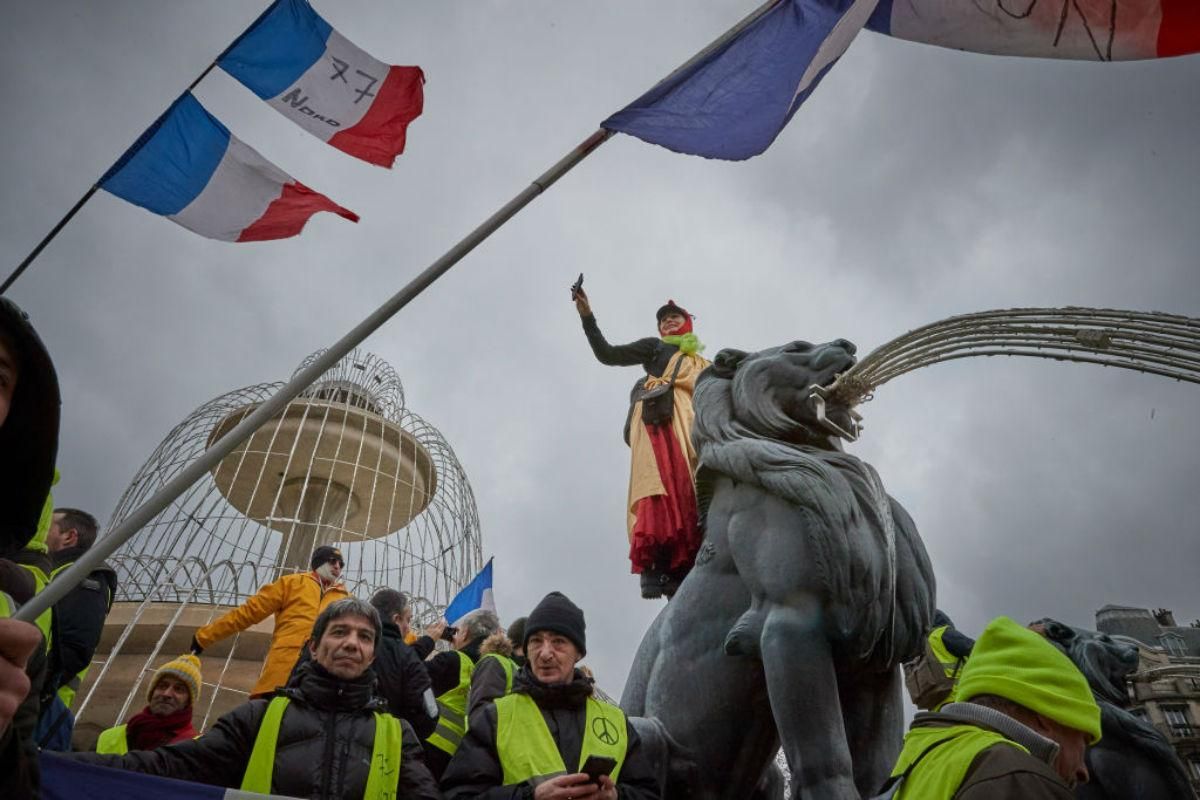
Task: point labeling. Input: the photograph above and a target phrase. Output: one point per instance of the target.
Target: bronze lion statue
(1132, 759)
(811, 587)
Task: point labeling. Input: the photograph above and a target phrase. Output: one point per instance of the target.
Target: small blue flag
(735, 101)
(475, 595)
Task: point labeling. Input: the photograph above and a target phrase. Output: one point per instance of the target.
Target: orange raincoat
(296, 601)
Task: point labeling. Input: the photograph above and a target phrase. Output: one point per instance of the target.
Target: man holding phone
(450, 673)
(518, 747)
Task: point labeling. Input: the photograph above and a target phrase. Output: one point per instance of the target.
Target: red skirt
(666, 530)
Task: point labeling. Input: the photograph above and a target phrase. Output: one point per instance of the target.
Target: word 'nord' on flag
(189, 168)
(319, 79)
(475, 595)
(735, 101)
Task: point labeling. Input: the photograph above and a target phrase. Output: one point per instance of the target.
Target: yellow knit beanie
(1015, 663)
(186, 668)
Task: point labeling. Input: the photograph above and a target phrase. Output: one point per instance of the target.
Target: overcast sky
(915, 184)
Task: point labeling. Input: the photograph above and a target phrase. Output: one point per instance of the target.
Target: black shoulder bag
(658, 404)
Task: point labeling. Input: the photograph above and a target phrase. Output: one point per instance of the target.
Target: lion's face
(1106, 661)
(771, 387)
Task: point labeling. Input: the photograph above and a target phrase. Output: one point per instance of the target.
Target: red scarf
(686, 327)
(145, 731)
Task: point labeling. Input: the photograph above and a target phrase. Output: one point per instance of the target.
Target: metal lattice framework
(346, 463)
(1149, 342)
(429, 556)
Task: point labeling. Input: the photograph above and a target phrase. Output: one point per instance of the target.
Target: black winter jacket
(78, 621)
(653, 354)
(488, 682)
(324, 748)
(29, 436)
(475, 770)
(404, 681)
(445, 669)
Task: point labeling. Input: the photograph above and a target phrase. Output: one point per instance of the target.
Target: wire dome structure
(345, 463)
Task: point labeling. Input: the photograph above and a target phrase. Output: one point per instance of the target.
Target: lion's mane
(877, 581)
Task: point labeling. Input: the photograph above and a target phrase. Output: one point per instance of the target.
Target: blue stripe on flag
(66, 779)
(471, 597)
(172, 162)
(278, 48)
(733, 103)
(881, 18)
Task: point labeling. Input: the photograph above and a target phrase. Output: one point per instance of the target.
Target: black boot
(671, 581)
(652, 584)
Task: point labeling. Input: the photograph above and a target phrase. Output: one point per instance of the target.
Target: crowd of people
(351, 702)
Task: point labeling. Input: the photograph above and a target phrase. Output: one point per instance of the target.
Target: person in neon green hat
(1022, 718)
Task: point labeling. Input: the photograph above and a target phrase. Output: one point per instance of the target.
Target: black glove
(196, 648)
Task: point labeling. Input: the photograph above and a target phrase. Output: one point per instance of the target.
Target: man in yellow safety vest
(450, 673)
(525, 740)
(1019, 728)
(325, 735)
(167, 717)
(78, 622)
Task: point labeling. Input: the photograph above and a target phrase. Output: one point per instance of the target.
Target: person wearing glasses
(296, 600)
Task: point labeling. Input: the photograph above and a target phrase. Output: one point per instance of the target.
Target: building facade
(1165, 690)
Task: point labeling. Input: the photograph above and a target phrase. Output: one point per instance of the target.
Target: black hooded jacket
(29, 436)
(402, 679)
(78, 620)
(324, 749)
(475, 770)
(28, 449)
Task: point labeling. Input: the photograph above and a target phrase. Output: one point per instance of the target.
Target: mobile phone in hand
(577, 286)
(595, 766)
(448, 633)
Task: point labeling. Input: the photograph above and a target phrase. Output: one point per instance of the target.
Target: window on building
(1194, 765)
(1174, 644)
(1177, 720)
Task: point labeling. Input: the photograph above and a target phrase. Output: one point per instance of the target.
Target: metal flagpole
(16, 273)
(105, 546)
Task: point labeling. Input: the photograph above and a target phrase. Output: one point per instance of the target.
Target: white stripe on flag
(836, 42)
(241, 188)
(336, 91)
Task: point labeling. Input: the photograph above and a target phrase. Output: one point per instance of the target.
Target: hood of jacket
(29, 436)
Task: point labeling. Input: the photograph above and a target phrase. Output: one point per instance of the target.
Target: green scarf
(688, 343)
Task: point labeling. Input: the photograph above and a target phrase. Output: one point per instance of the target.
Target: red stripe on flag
(1179, 32)
(288, 213)
(379, 135)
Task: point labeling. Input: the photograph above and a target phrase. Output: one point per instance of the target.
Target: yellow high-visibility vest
(951, 663)
(385, 754)
(527, 750)
(112, 741)
(452, 709)
(66, 692)
(43, 621)
(507, 664)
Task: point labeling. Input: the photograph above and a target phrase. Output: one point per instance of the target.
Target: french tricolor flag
(314, 76)
(189, 168)
(1094, 30)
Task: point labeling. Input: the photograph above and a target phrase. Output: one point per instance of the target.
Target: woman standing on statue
(662, 517)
